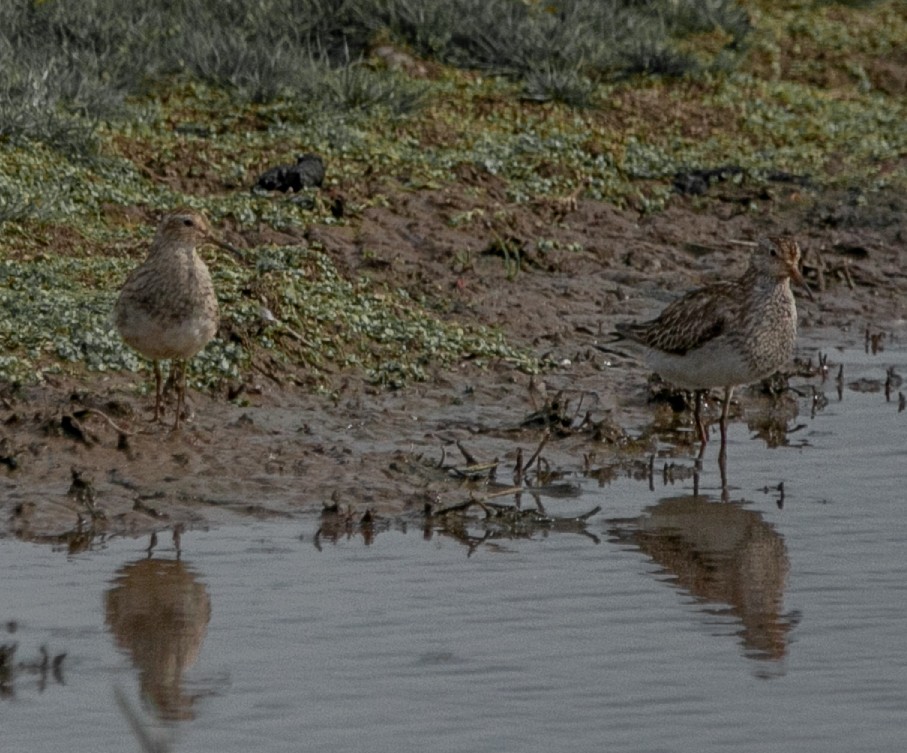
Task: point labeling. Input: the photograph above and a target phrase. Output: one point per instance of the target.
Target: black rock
(696, 182)
(308, 172)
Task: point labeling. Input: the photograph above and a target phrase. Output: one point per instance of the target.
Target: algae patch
(289, 301)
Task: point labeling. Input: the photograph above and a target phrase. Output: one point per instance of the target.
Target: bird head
(779, 257)
(184, 227)
(187, 227)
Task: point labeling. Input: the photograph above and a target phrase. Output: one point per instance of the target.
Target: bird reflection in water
(158, 612)
(724, 555)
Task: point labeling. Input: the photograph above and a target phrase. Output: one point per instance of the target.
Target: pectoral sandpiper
(730, 332)
(167, 308)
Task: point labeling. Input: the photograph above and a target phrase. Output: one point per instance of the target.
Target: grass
(64, 66)
(107, 107)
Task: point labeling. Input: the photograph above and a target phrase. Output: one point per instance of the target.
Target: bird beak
(797, 276)
(220, 243)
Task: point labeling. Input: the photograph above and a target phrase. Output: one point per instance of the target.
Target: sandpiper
(730, 332)
(167, 308)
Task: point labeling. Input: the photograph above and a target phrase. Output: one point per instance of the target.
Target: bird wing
(689, 322)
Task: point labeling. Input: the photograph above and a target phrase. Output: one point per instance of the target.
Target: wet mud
(78, 457)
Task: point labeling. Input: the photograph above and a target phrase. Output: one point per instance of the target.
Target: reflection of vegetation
(110, 114)
(501, 522)
(473, 523)
(490, 512)
(45, 668)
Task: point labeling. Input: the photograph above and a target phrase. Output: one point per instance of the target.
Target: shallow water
(672, 623)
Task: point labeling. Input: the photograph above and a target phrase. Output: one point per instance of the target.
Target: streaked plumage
(167, 308)
(731, 332)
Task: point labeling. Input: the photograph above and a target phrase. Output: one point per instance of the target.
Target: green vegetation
(108, 108)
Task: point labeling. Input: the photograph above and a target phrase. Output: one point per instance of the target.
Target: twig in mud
(545, 437)
(505, 492)
(139, 505)
(458, 507)
(470, 459)
(846, 268)
(82, 489)
(296, 336)
(267, 316)
(534, 390)
(177, 537)
(110, 422)
(476, 471)
(586, 515)
(463, 506)
(873, 342)
(553, 414)
(518, 467)
(579, 406)
(892, 381)
(820, 270)
(337, 522)
(780, 489)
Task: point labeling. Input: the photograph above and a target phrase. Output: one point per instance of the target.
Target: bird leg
(179, 379)
(722, 468)
(158, 391)
(697, 417)
(725, 407)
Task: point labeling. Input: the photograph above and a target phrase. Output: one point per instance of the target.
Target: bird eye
(773, 252)
(188, 223)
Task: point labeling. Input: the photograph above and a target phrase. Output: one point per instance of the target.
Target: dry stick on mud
(462, 506)
(476, 471)
(470, 458)
(847, 277)
(820, 270)
(110, 421)
(545, 437)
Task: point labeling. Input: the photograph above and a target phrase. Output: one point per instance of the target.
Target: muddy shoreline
(80, 459)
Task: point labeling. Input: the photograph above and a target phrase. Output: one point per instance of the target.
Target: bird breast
(168, 308)
(772, 327)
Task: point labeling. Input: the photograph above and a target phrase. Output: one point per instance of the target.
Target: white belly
(157, 340)
(715, 364)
